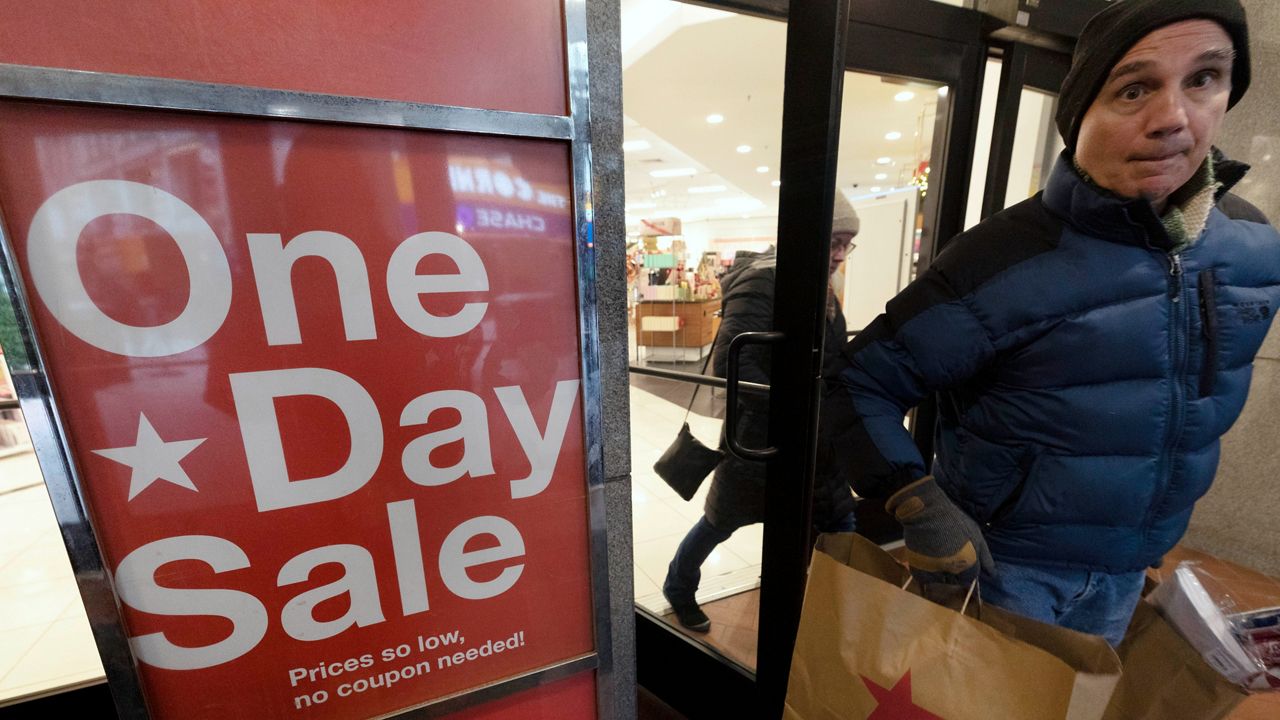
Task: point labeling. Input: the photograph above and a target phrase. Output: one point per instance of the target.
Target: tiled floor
(735, 627)
(45, 642)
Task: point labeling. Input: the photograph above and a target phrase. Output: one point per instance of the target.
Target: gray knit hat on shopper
(1111, 33)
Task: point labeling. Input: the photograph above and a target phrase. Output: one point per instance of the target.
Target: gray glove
(943, 543)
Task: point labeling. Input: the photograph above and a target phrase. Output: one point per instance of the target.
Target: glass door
(1025, 142)
(714, 137)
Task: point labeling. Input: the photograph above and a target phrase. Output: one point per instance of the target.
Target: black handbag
(687, 462)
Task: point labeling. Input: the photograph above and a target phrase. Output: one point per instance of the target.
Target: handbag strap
(705, 364)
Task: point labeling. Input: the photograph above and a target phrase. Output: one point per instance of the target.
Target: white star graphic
(153, 459)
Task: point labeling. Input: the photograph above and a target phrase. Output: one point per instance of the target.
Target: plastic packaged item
(1242, 644)
(1259, 633)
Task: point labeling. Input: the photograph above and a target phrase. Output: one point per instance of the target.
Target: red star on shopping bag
(896, 704)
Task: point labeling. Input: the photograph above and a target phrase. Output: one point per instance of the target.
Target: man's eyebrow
(1227, 54)
(1215, 55)
(1129, 69)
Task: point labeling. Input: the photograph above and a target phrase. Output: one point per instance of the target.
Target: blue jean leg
(1092, 602)
(685, 571)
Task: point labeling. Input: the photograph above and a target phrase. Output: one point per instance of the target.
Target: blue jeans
(685, 571)
(1092, 602)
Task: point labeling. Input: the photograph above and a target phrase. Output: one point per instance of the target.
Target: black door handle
(731, 382)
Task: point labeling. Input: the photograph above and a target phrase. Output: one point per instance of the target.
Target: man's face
(841, 243)
(1157, 115)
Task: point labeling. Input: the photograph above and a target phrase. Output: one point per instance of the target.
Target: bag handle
(974, 592)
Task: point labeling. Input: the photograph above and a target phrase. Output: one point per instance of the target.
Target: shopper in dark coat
(736, 497)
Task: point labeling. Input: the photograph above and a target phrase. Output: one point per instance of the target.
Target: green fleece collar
(1188, 209)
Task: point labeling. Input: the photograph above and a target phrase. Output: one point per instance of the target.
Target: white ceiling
(682, 63)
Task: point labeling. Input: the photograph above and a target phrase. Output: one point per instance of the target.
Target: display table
(676, 330)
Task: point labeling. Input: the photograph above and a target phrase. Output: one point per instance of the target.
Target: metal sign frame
(44, 417)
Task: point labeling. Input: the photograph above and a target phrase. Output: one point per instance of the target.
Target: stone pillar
(604, 37)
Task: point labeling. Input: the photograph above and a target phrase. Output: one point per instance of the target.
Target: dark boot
(685, 572)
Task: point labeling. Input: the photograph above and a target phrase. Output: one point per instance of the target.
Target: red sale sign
(322, 388)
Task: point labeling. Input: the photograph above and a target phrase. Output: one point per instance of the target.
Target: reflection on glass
(1036, 145)
(884, 171)
(10, 335)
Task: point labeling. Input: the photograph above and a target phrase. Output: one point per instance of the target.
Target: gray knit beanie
(844, 218)
(1111, 33)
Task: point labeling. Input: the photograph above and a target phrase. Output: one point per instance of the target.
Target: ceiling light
(765, 168)
(882, 176)
(942, 91)
(706, 189)
(895, 135)
(673, 172)
(876, 189)
(776, 183)
(715, 118)
(879, 161)
(744, 149)
(632, 145)
(905, 96)
(641, 206)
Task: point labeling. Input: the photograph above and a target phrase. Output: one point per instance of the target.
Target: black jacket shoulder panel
(977, 255)
(1007, 238)
(1237, 208)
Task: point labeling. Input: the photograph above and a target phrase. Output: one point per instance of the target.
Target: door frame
(915, 39)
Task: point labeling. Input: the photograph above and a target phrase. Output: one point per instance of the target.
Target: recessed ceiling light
(876, 189)
(882, 176)
(673, 172)
(942, 91)
(715, 118)
(879, 161)
(633, 145)
(905, 96)
(744, 149)
(776, 183)
(895, 135)
(765, 168)
(707, 189)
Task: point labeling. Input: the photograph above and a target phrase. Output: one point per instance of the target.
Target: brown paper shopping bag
(1165, 678)
(869, 650)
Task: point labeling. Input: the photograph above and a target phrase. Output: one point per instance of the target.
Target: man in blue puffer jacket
(1089, 346)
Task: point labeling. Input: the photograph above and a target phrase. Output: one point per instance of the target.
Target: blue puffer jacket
(1085, 375)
